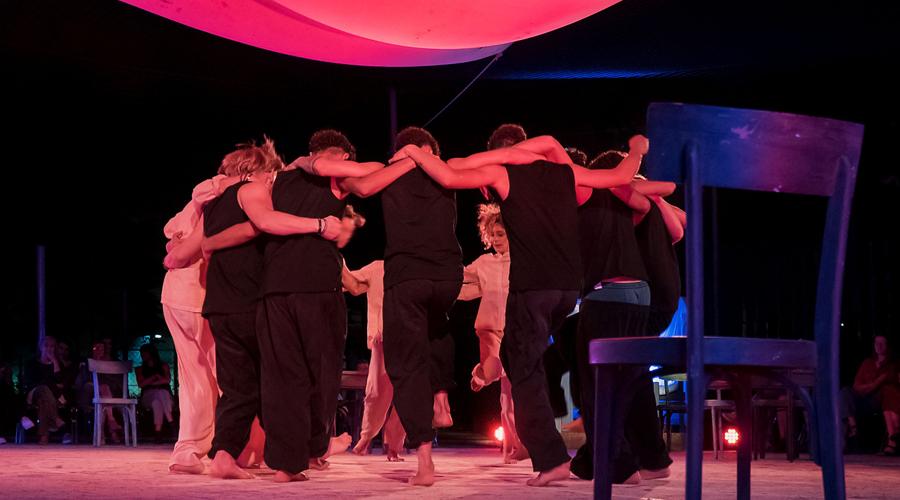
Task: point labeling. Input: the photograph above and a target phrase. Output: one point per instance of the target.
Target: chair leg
(744, 407)
(789, 427)
(603, 411)
(829, 439)
(98, 424)
(134, 426)
(694, 474)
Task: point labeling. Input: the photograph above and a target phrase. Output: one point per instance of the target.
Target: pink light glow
(268, 25)
(447, 24)
(499, 435)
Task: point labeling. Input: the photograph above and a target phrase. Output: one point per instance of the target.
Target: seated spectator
(876, 389)
(153, 379)
(44, 386)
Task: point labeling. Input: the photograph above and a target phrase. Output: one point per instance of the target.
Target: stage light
(157, 336)
(499, 434)
(732, 436)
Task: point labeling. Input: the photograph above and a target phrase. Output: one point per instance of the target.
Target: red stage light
(499, 434)
(732, 436)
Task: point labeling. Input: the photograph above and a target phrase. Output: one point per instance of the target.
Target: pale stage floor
(30, 472)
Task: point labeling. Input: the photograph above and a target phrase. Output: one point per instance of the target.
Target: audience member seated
(44, 386)
(10, 404)
(153, 378)
(876, 389)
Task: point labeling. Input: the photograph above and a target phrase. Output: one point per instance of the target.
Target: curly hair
(250, 158)
(577, 156)
(330, 138)
(488, 217)
(607, 160)
(417, 136)
(508, 134)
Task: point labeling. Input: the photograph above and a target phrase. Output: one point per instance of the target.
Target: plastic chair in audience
(128, 405)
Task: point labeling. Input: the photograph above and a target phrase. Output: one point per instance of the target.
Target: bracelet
(321, 225)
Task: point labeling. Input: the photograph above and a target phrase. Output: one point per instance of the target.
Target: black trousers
(531, 317)
(237, 372)
(418, 350)
(301, 344)
(559, 359)
(637, 441)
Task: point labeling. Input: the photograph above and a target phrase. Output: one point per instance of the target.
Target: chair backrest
(109, 368)
(763, 151)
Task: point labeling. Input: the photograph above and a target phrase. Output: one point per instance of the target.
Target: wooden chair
(750, 150)
(128, 405)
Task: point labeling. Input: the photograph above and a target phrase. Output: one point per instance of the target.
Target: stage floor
(30, 472)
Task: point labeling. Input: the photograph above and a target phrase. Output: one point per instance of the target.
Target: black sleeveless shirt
(609, 248)
(234, 274)
(304, 262)
(420, 228)
(541, 219)
(660, 260)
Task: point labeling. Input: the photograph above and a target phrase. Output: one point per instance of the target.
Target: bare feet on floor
(515, 455)
(186, 469)
(286, 477)
(558, 473)
(362, 447)
(338, 444)
(425, 473)
(392, 454)
(318, 463)
(224, 466)
(655, 474)
(633, 479)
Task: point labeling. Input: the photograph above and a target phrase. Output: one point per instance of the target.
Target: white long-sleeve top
(488, 277)
(184, 288)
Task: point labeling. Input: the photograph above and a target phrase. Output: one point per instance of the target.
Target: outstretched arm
(327, 167)
(351, 283)
(188, 251)
(637, 202)
(653, 188)
(257, 204)
(451, 178)
(547, 146)
(235, 235)
(378, 180)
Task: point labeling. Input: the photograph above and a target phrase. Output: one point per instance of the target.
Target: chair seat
(115, 401)
(721, 351)
(354, 380)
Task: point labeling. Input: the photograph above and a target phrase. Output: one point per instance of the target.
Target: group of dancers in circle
(254, 299)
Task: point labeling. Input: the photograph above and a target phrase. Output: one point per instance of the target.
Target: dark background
(111, 115)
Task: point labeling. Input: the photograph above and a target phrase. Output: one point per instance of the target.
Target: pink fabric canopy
(269, 25)
(447, 24)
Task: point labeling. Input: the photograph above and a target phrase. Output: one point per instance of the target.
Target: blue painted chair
(704, 146)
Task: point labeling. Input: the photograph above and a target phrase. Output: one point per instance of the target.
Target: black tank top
(234, 274)
(541, 219)
(606, 235)
(420, 228)
(660, 260)
(305, 262)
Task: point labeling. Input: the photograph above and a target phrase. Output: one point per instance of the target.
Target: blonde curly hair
(488, 217)
(249, 159)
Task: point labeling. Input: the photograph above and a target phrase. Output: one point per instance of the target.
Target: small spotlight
(732, 436)
(842, 324)
(157, 336)
(498, 434)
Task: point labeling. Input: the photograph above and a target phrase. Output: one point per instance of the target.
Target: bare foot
(633, 479)
(318, 463)
(186, 469)
(442, 417)
(285, 477)
(338, 445)
(393, 455)
(558, 473)
(655, 474)
(362, 447)
(425, 474)
(576, 425)
(223, 466)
